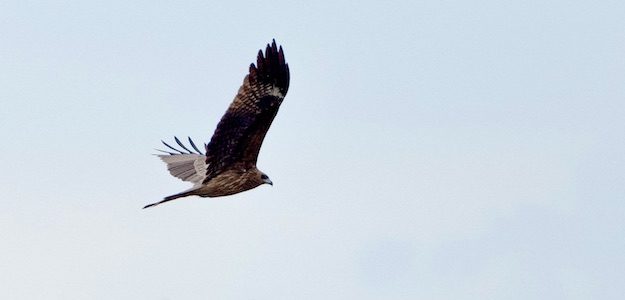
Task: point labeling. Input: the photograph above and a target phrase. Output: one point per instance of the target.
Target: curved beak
(268, 181)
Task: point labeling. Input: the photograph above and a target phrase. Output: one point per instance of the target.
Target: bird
(228, 164)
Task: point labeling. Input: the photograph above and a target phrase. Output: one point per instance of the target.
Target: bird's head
(265, 179)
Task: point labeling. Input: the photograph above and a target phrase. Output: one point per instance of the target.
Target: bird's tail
(173, 197)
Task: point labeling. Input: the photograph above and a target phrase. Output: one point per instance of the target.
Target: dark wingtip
(170, 153)
(268, 51)
(182, 145)
(271, 67)
(194, 146)
(177, 151)
(260, 60)
(170, 147)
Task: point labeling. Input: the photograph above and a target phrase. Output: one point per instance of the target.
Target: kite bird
(228, 165)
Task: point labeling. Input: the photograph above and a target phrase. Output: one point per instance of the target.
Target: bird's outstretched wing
(188, 166)
(241, 131)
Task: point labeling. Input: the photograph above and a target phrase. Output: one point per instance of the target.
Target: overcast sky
(425, 150)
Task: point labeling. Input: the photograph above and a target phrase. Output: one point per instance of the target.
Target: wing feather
(193, 145)
(172, 148)
(242, 129)
(186, 166)
(182, 145)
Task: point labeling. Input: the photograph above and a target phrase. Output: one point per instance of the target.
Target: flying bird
(228, 165)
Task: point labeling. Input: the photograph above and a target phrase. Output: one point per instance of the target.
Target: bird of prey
(228, 165)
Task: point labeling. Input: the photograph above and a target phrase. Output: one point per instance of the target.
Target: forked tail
(172, 197)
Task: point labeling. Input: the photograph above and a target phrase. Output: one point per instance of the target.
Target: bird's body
(232, 181)
(229, 164)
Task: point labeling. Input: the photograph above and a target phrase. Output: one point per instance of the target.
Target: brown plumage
(229, 164)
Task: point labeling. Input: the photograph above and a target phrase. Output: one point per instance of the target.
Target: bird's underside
(228, 164)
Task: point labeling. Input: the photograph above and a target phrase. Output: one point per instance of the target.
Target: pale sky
(425, 150)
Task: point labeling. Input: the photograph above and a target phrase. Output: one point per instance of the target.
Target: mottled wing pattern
(241, 131)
